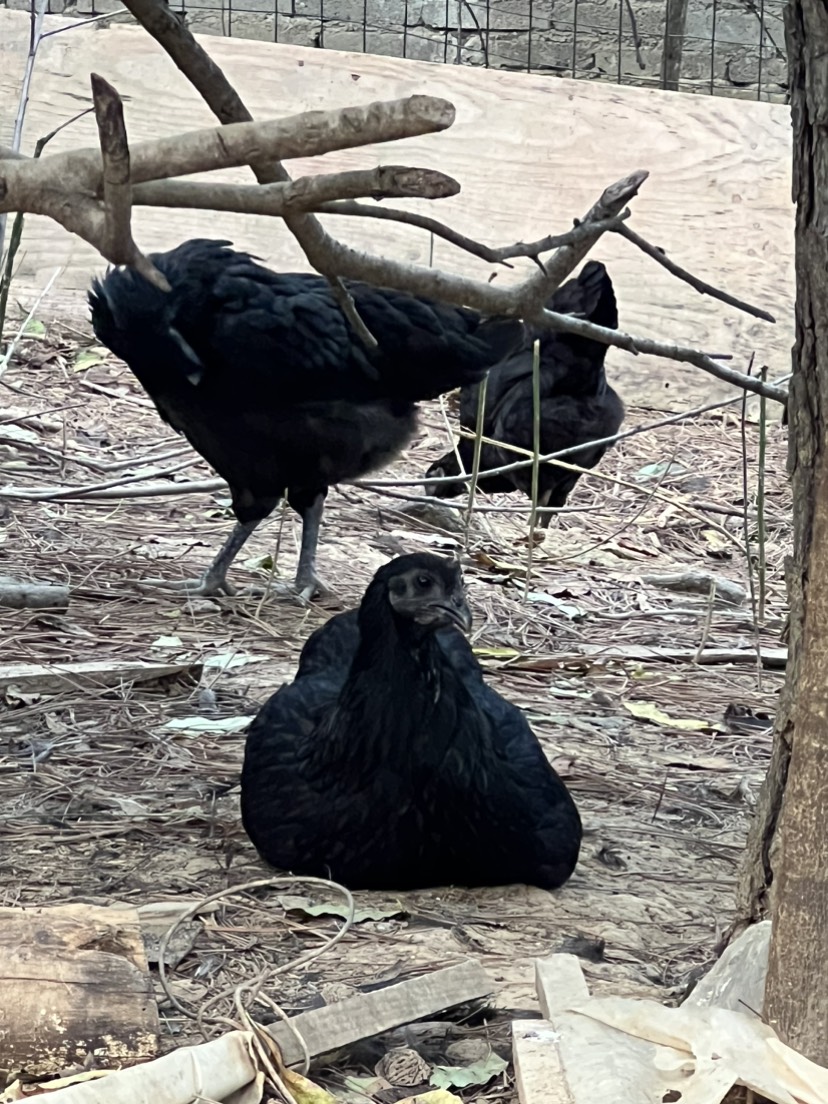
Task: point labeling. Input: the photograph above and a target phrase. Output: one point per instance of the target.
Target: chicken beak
(459, 613)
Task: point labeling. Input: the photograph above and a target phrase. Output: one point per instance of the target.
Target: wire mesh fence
(715, 47)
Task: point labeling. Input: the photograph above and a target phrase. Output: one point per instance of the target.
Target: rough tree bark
(787, 858)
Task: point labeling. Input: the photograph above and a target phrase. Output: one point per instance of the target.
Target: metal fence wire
(714, 47)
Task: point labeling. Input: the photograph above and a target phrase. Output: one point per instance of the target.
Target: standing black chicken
(577, 403)
(265, 378)
(389, 763)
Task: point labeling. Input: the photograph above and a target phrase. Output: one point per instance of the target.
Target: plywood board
(530, 152)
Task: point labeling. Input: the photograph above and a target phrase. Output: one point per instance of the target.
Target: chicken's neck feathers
(400, 702)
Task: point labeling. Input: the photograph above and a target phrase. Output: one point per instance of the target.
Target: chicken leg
(310, 508)
(213, 583)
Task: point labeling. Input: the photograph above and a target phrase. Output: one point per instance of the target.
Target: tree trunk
(787, 859)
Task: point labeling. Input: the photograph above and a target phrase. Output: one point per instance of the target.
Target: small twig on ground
(707, 624)
(5, 360)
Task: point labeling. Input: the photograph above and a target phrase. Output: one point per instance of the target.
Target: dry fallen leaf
(649, 711)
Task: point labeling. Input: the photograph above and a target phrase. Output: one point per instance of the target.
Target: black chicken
(264, 376)
(577, 403)
(388, 763)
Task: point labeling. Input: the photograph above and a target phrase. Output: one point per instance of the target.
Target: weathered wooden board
(559, 983)
(73, 982)
(530, 152)
(36, 678)
(539, 1071)
(360, 1017)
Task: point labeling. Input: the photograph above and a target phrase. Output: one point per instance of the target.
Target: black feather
(264, 376)
(389, 763)
(577, 403)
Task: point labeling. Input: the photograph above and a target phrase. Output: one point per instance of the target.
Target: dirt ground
(103, 801)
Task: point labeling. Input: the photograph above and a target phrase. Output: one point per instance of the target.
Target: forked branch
(91, 193)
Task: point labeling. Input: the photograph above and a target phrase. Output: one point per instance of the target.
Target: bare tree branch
(221, 97)
(521, 299)
(109, 115)
(61, 186)
(682, 273)
(566, 323)
(332, 258)
(491, 254)
(117, 244)
(304, 135)
(305, 194)
(29, 186)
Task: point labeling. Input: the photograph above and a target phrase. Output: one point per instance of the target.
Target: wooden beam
(559, 983)
(338, 1025)
(539, 1071)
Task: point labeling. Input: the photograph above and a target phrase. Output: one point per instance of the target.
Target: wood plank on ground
(38, 678)
(360, 1017)
(539, 1070)
(559, 983)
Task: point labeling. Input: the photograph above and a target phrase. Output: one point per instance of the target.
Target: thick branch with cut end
(62, 187)
(305, 194)
(29, 185)
(117, 243)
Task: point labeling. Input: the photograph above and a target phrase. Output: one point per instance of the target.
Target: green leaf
(34, 329)
(87, 358)
(461, 1077)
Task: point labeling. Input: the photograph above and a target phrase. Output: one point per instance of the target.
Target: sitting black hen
(389, 763)
(265, 378)
(577, 403)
